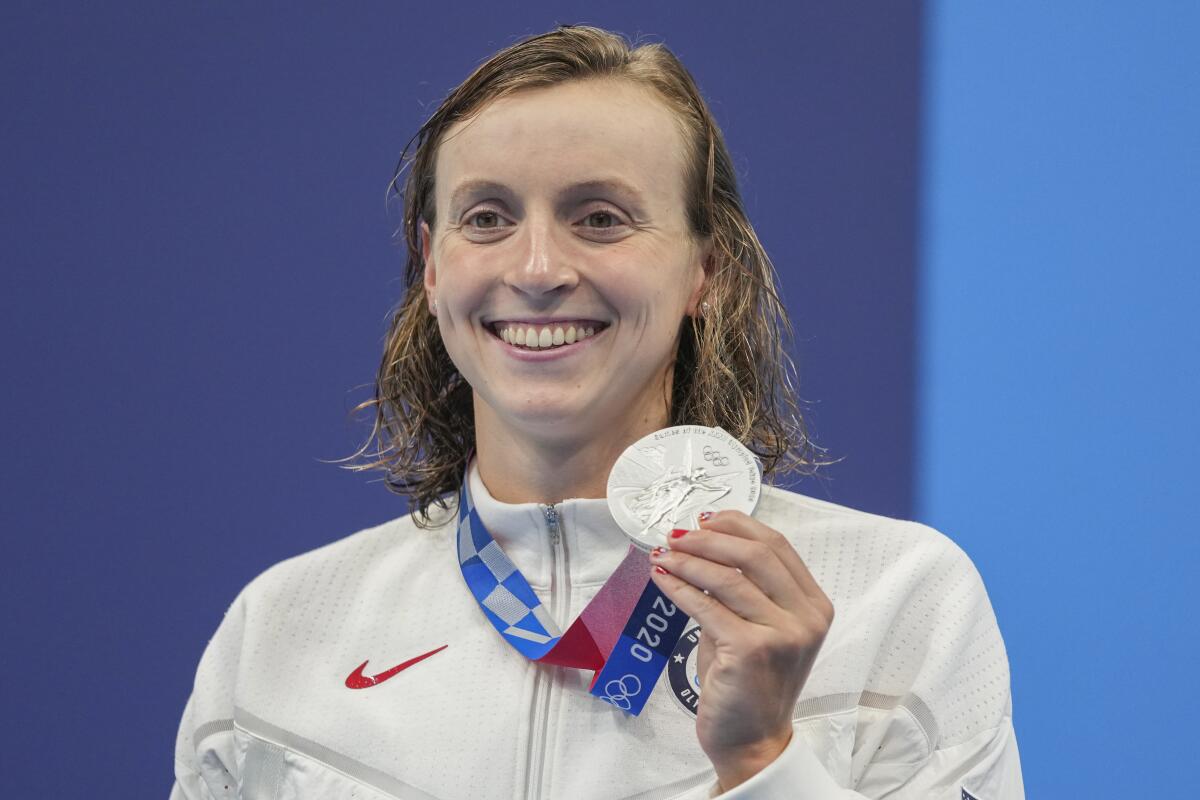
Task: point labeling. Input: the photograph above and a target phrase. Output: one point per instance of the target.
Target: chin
(547, 416)
(555, 412)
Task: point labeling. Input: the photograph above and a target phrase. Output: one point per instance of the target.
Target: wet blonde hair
(732, 369)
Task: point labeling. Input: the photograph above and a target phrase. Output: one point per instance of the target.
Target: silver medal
(666, 479)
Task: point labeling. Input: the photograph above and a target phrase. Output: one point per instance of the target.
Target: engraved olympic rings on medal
(714, 457)
(621, 691)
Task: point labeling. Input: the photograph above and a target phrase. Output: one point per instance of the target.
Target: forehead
(567, 134)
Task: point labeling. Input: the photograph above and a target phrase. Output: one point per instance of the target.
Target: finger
(757, 561)
(735, 523)
(714, 618)
(732, 588)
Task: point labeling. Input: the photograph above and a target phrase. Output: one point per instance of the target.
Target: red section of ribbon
(591, 638)
(575, 649)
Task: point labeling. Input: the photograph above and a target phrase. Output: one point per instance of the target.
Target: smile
(545, 336)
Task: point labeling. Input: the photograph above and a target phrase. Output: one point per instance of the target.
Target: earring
(704, 308)
(433, 306)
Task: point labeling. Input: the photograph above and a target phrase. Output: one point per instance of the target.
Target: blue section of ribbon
(501, 590)
(641, 653)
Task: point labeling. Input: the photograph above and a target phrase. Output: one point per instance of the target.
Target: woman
(581, 274)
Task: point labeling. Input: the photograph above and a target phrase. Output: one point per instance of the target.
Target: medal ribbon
(626, 634)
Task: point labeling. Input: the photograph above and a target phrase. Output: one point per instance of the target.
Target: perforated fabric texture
(913, 669)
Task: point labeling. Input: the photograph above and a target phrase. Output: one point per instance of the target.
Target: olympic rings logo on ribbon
(714, 457)
(619, 693)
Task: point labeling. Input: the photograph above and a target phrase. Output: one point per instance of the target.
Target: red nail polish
(675, 534)
(704, 515)
(658, 551)
(660, 570)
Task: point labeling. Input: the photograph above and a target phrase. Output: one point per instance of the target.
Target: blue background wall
(197, 271)
(1059, 371)
(198, 268)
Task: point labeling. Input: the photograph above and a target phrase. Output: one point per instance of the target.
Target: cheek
(462, 284)
(652, 300)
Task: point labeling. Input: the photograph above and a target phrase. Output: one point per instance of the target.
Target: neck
(520, 467)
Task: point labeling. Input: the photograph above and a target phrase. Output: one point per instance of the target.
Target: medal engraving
(665, 480)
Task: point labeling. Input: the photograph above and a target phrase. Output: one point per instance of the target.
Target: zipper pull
(551, 514)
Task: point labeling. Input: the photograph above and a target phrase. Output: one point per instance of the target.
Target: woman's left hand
(763, 619)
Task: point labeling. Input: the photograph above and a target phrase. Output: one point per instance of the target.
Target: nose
(542, 265)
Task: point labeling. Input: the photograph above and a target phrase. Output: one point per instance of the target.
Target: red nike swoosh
(359, 681)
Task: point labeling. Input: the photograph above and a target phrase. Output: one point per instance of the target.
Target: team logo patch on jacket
(682, 671)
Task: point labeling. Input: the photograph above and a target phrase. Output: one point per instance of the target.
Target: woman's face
(561, 260)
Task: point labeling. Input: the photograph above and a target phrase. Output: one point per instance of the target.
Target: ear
(430, 277)
(703, 269)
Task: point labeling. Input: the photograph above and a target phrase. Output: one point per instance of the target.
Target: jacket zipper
(560, 595)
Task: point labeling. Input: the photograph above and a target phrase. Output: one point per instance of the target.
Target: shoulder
(352, 561)
(290, 617)
(913, 617)
(860, 536)
(899, 572)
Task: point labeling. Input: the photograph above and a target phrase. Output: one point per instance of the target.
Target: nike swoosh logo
(358, 680)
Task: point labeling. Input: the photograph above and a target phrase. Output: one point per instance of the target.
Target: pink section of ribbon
(593, 635)
(610, 609)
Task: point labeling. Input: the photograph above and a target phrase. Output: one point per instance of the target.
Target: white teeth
(535, 339)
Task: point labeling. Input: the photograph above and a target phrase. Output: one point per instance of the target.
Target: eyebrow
(472, 188)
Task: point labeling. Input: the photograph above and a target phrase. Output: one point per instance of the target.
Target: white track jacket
(909, 696)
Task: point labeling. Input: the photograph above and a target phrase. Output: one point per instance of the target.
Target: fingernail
(657, 552)
(704, 515)
(678, 532)
(660, 570)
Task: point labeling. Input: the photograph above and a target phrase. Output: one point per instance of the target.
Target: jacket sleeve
(205, 760)
(970, 748)
(986, 768)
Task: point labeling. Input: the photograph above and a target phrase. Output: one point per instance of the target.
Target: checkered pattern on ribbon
(605, 638)
(502, 591)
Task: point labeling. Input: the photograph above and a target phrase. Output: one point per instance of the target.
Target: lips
(545, 335)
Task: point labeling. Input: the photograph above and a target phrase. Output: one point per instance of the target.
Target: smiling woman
(587, 306)
(573, 176)
(541, 263)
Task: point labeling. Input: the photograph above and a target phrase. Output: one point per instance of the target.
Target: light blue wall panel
(1058, 391)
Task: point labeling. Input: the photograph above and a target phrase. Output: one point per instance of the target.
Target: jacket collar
(590, 543)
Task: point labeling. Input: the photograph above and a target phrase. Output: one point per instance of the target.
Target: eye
(603, 216)
(604, 221)
(487, 220)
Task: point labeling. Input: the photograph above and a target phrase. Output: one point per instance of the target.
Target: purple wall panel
(198, 267)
